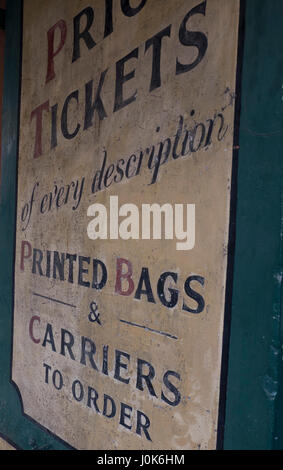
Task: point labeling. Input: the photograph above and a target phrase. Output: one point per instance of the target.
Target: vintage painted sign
(124, 177)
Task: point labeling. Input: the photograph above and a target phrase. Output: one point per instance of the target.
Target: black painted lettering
(107, 411)
(175, 155)
(108, 28)
(54, 126)
(82, 271)
(121, 79)
(155, 161)
(68, 187)
(125, 414)
(44, 204)
(222, 131)
(140, 162)
(97, 105)
(72, 259)
(144, 280)
(67, 342)
(58, 265)
(192, 38)
(172, 301)
(78, 192)
(48, 337)
(36, 261)
(121, 365)
(108, 174)
(156, 43)
(59, 202)
(52, 196)
(105, 360)
(146, 377)
(47, 370)
(92, 397)
(120, 172)
(97, 179)
(143, 423)
(171, 388)
(85, 34)
(77, 390)
(130, 11)
(64, 117)
(57, 379)
(194, 295)
(128, 173)
(99, 284)
(48, 263)
(90, 353)
(197, 137)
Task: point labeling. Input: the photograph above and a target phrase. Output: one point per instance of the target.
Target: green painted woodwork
(254, 398)
(20, 430)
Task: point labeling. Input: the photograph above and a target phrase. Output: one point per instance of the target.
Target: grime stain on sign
(126, 107)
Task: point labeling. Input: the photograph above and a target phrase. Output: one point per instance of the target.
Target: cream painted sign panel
(124, 175)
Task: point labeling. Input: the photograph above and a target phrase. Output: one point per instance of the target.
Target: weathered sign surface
(4, 445)
(118, 314)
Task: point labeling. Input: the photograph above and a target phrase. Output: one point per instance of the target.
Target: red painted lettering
(25, 254)
(126, 276)
(61, 25)
(38, 113)
(32, 320)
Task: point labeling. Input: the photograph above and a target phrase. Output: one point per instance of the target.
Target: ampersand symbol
(94, 314)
